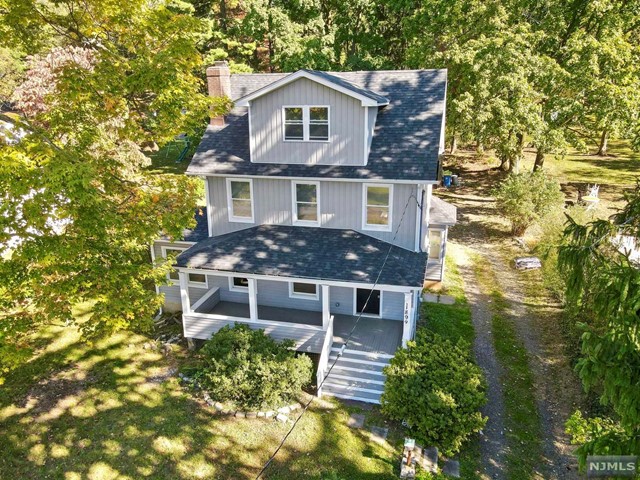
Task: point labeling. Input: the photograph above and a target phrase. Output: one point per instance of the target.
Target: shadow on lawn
(105, 412)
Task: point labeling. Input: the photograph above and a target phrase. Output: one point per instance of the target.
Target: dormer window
(306, 123)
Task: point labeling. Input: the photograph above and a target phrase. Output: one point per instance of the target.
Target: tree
(11, 71)
(78, 208)
(525, 198)
(603, 286)
(435, 387)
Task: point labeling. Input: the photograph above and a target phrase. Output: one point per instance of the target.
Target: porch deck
(373, 335)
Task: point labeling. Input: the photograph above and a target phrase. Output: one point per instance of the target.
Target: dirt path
(480, 230)
(493, 446)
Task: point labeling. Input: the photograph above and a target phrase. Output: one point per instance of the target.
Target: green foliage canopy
(437, 389)
(603, 286)
(251, 369)
(78, 209)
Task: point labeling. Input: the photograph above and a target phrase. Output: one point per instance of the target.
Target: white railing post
(323, 362)
(325, 307)
(184, 292)
(407, 318)
(253, 299)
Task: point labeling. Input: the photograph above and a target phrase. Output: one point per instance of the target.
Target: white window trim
(175, 281)
(355, 303)
(198, 284)
(306, 121)
(235, 288)
(233, 218)
(305, 296)
(294, 204)
(164, 248)
(379, 228)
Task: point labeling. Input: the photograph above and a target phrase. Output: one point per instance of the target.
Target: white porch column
(407, 318)
(325, 307)
(253, 299)
(184, 292)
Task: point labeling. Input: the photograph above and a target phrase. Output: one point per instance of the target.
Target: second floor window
(306, 123)
(377, 207)
(306, 203)
(240, 200)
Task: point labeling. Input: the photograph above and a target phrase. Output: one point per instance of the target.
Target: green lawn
(109, 410)
(619, 167)
(454, 322)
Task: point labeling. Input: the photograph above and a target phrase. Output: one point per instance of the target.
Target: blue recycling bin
(446, 180)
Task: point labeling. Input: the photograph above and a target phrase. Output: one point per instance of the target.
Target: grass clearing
(111, 410)
(454, 323)
(522, 419)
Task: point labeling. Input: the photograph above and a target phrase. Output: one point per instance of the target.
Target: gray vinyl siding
(346, 126)
(340, 203)
(276, 294)
(392, 305)
(341, 300)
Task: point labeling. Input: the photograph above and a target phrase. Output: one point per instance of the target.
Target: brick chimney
(219, 84)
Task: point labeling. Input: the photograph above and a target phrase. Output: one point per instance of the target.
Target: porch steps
(356, 375)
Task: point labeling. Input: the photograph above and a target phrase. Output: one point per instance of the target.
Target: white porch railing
(323, 363)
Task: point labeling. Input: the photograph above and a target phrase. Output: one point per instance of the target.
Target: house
(319, 210)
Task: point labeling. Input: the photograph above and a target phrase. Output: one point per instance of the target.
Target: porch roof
(307, 252)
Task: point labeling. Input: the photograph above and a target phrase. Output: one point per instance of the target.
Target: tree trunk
(479, 147)
(505, 164)
(454, 144)
(539, 163)
(602, 150)
(514, 166)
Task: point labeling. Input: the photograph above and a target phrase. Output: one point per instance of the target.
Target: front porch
(373, 335)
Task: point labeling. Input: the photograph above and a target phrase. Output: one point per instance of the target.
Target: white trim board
(364, 100)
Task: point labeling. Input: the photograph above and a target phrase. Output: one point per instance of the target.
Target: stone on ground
(355, 420)
(429, 459)
(379, 434)
(281, 417)
(451, 468)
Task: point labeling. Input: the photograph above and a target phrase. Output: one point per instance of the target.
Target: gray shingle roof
(350, 86)
(307, 252)
(197, 233)
(405, 145)
(441, 212)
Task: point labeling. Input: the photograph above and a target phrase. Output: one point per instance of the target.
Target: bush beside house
(436, 388)
(525, 198)
(250, 369)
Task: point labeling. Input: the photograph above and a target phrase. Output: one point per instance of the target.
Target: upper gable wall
(347, 127)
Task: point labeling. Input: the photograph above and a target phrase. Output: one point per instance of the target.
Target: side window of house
(319, 123)
(195, 279)
(293, 123)
(240, 200)
(306, 123)
(238, 284)
(377, 207)
(306, 203)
